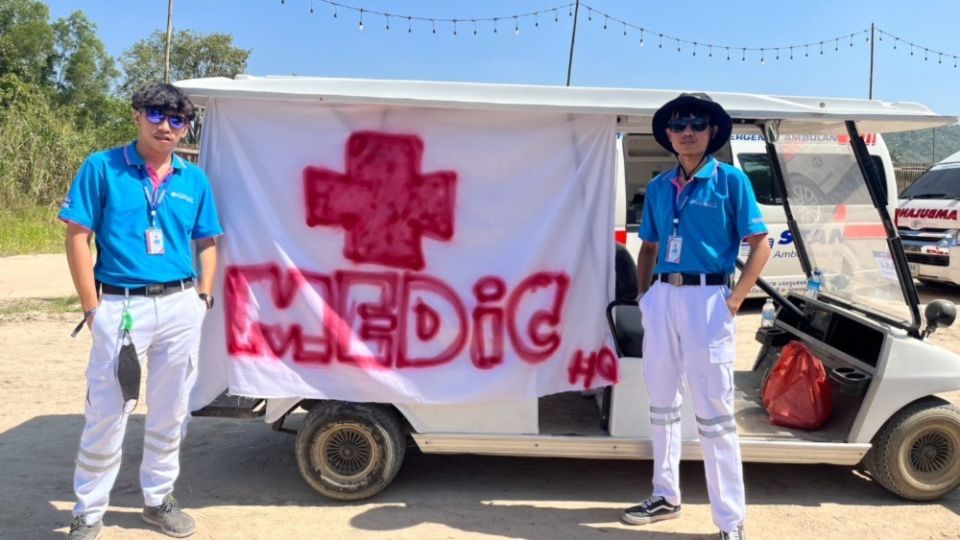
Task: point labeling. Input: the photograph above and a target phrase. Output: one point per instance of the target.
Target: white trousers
(166, 333)
(689, 335)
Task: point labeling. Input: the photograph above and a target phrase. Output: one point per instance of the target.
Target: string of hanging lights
(514, 21)
(902, 44)
(474, 25)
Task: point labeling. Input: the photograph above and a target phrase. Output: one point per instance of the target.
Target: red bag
(797, 394)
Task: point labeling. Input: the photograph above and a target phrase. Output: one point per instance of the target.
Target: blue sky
(286, 39)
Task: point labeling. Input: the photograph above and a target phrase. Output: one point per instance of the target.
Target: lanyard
(154, 197)
(678, 206)
(153, 201)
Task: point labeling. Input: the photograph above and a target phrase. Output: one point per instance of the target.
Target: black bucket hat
(718, 118)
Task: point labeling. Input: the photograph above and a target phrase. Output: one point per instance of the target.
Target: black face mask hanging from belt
(128, 365)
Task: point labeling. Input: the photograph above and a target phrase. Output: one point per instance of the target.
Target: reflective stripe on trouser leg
(708, 356)
(171, 372)
(99, 455)
(662, 377)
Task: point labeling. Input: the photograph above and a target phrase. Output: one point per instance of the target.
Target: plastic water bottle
(814, 283)
(768, 314)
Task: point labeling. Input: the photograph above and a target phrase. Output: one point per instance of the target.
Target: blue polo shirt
(716, 209)
(108, 198)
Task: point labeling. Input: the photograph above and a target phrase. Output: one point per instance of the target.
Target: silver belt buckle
(675, 279)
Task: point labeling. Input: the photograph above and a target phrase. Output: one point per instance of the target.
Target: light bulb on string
(311, 7)
(360, 26)
(821, 48)
(710, 53)
(762, 59)
(728, 54)
(605, 22)
(434, 23)
(536, 19)
(911, 49)
(556, 16)
(895, 43)
(940, 59)
(678, 45)
(660, 45)
(642, 43)
(474, 27)
(925, 54)
(791, 53)
(806, 51)
(409, 25)
(624, 29)
(743, 55)
(694, 48)
(589, 14)
(778, 55)
(836, 44)
(334, 12)
(516, 26)
(388, 21)
(954, 62)
(454, 27)
(494, 25)
(851, 40)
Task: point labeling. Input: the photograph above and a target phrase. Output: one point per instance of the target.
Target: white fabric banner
(406, 255)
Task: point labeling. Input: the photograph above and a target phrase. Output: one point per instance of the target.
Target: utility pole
(873, 28)
(573, 40)
(166, 53)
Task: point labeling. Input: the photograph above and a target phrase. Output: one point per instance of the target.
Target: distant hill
(918, 146)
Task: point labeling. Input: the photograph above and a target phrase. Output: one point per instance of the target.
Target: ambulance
(640, 159)
(928, 221)
(805, 154)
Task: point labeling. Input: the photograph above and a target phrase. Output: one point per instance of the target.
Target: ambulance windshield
(842, 232)
(940, 182)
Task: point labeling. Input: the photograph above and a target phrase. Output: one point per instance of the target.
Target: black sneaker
(733, 535)
(79, 530)
(652, 510)
(170, 518)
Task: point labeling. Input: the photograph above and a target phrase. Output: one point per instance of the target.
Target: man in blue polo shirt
(143, 302)
(694, 219)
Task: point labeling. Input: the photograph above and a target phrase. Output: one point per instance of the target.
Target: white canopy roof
(636, 106)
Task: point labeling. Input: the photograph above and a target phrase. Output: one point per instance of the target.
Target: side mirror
(939, 314)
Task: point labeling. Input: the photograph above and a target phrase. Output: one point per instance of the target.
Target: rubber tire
(383, 425)
(887, 461)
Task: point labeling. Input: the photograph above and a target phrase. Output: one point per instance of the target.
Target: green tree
(192, 55)
(84, 72)
(26, 41)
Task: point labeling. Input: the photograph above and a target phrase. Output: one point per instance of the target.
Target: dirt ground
(240, 479)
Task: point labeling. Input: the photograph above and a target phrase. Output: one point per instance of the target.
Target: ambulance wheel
(350, 451)
(916, 454)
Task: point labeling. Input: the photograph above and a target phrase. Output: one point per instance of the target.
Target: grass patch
(30, 229)
(21, 306)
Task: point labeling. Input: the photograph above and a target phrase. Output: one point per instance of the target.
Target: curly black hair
(165, 97)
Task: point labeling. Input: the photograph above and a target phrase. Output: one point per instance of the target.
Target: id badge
(674, 247)
(154, 241)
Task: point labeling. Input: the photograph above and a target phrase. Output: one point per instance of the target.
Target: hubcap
(345, 453)
(932, 453)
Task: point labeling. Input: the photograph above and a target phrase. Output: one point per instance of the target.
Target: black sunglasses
(698, 124)
(156, 116)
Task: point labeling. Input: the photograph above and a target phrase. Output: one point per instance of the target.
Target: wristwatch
(207, 299)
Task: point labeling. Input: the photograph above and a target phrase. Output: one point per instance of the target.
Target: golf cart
(865, 325)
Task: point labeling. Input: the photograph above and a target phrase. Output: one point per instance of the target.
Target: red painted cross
(383, 201)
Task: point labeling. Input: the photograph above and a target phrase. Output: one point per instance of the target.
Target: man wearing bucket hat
(694, 218)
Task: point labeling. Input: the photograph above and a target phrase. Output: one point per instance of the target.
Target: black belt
(677, 279)
(153, 289)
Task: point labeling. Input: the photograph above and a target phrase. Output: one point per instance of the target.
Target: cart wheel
(916, 454)
(350, 451)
